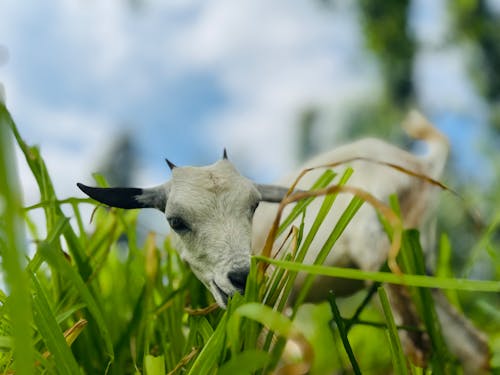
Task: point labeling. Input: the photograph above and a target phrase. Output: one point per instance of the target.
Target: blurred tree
(387, 36)
(307, 122)
(475, 22)
(385, 25)
(119, 163)
(118, 167)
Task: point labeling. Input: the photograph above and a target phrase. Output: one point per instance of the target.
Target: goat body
(364, 243)
(219, 216)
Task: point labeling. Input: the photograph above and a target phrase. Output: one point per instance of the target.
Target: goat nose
(239, 278)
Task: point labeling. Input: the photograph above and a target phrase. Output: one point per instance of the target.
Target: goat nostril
(239, 278)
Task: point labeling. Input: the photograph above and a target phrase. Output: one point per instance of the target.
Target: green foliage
(86, 301)
(343, 334)
(12, 251)
(398, 357)
(474, 21)
(387, 34)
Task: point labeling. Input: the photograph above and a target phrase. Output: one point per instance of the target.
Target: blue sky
(189, 77)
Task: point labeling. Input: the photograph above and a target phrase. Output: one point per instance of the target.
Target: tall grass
(95, 302)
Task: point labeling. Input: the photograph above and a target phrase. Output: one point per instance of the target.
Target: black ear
(128, 197)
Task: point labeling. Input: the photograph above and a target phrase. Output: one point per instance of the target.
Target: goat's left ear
(271, 193)
(125, 197)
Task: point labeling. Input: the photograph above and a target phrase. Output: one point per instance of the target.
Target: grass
(97, 302)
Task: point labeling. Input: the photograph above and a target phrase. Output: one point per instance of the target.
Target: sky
(187, 78)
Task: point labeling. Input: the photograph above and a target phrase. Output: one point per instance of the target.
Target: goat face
(210, 209)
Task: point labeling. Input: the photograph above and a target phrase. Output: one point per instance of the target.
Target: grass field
(95, 301)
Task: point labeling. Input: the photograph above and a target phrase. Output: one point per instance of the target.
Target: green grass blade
(266, 316)
(322, 214)
(50, 204)
(154, 365)
(398, 356)
(364, 303)
(339, 228)
(12, 249)
(208, 359)
(252, 295)
(314, 322)
(443, 268)
(288, 281)
(413, 262)
(57, 260)
(343, 333)
(51, 333)
(245, 363)
(301, 206)
(51, 241)
(386, 277)
(6, 343)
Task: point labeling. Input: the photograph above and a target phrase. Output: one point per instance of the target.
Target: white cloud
(270, 59)
(70, 144)
(273, 60)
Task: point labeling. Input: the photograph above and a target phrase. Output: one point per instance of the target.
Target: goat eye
(178, 225)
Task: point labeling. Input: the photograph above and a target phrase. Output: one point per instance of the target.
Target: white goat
(216, 216)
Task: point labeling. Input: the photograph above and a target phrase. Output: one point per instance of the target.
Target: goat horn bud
(170, 164)
(224, 154)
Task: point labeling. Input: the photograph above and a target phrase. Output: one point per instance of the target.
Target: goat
(220, 217)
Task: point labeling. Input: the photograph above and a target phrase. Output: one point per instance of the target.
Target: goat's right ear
(121, 197)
